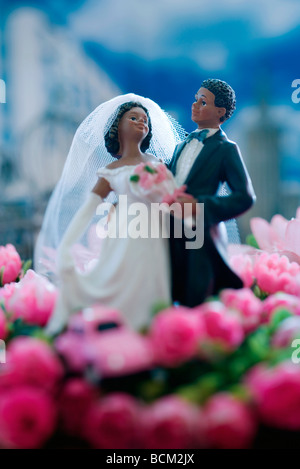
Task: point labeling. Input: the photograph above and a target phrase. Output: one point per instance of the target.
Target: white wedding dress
(130, 274)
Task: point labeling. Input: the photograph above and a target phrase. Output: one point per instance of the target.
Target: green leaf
(259, 293)
(159, 306)
(241, 392)
(277, 318)
(150, 170)
(259, 343)
(151, 390)
(251, 241)
(19, 327)
(26, 265)
(1, 276)
(200, 391)
(134, 178)
(280, 355)
(40, 334)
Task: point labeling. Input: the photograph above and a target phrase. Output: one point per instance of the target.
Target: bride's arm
(80, 222)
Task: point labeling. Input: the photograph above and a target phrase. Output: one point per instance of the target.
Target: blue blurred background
(59, 59)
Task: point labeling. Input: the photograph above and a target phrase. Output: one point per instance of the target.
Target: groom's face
(204, 111)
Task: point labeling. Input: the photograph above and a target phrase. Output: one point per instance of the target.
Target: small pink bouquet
(154, 182)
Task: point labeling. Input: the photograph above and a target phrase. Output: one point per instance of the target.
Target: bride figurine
(131, 272)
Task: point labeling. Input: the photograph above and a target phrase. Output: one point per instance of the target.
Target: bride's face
(133, 125)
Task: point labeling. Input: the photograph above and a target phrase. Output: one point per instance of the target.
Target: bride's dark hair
(111, 137)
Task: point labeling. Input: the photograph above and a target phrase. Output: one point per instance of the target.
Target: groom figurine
(202, 162)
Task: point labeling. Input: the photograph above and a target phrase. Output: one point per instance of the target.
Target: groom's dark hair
(224, 95)
(111, 137)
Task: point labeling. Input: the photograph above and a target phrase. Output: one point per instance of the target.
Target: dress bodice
(119, 179)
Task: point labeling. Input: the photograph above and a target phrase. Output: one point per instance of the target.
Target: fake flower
(229, 423)
(224, 330)
(31, 362)
(280, 235)
(32, 299)
(246, 304)
(10, 263)
(168, 423)
(27, 418)
(74, 401)
(175, 334)
(276, 394)
(112, 422)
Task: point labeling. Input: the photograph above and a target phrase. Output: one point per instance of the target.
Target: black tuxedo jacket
(198, 273)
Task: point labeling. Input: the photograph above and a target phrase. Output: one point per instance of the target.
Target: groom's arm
(242, 196)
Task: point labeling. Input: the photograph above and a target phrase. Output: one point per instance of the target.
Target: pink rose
(75, 400)
(31, 362)
(11, 262)
(280, 235)
(276, 273)
(242, 264)
(3, 325)
(94, 319)
(229, 424)
(6, 293)
(223, 328)
(139, 169)
(33, 299)
(118, 352)
(169, 423)
(175, 334)
(248, 306)
(162, 173)
(27, 418)
(276, 394)
(280, 301)
(71, 348)
(112, 422)
(146, 180)
(288, 330)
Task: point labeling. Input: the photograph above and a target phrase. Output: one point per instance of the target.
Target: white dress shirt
(188, 157)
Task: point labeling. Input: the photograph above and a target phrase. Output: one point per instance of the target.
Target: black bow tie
(198, 135)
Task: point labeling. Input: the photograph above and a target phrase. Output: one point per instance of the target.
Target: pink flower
(11, 262)
(169, 423)
(229, 424)
(112, 423)
(94, 318)
(33, 299)
(288, 330)
(146, 180)
(280, 235)
(71, 347)
(3, 325)
(275, 273)
(75, 400)
(118, 352)
(276, 394)
(139, 169)
(31, 362)
(271, 272)
(280, 301)
(27, 418)
(248, 306)
(162, 173)
(172, 197)
(175, 334)
(223, 328)
(242, 264)
(6, 293)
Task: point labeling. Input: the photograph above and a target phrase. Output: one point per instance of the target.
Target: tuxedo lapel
(177, 154)
(210, 145)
